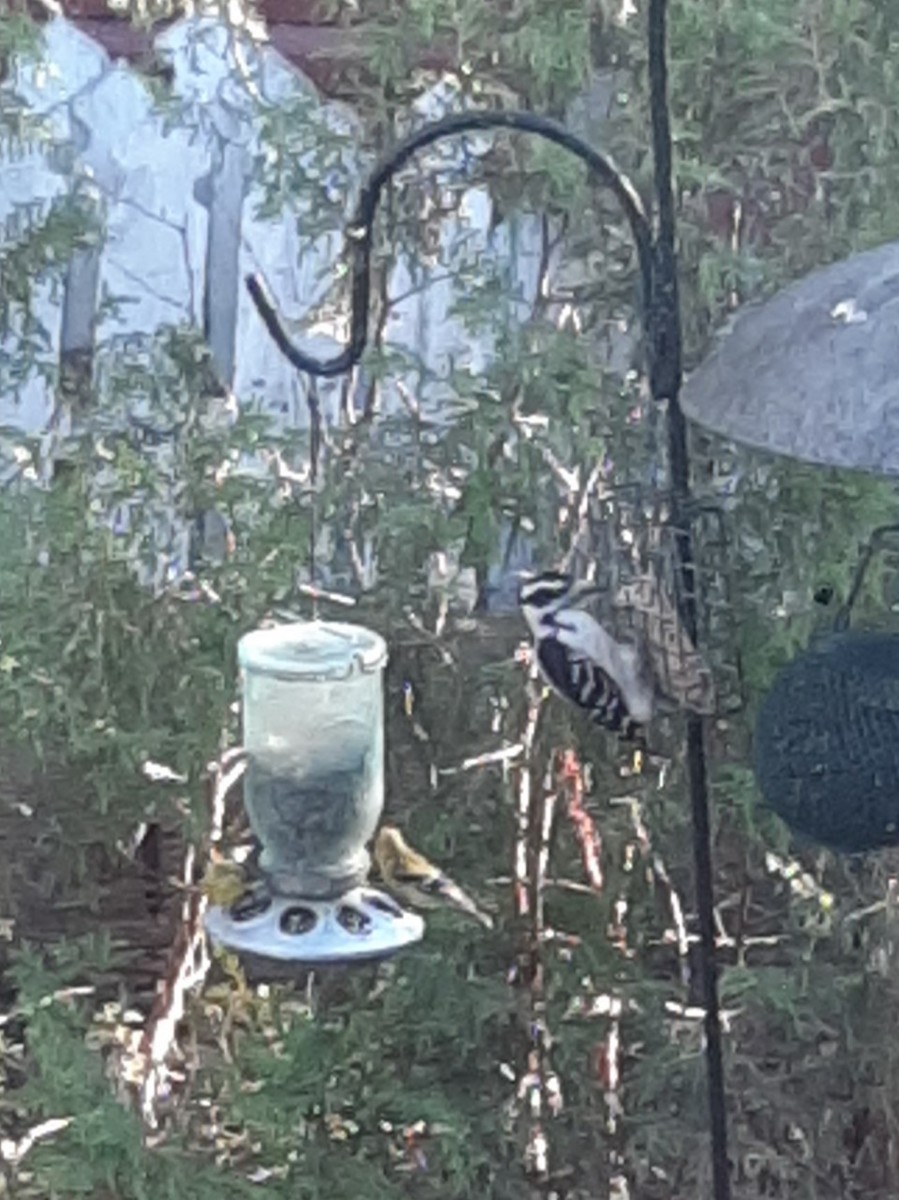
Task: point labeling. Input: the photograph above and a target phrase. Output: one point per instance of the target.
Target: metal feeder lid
(317, 650)
(812, 373)
(827, 742)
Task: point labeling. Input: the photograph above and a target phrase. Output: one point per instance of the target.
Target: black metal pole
(665, 382)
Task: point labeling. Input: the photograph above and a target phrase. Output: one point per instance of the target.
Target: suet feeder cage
(313, 724)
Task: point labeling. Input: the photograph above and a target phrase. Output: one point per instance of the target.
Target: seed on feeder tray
(297, 919)
(352, 920)
(823, 594)
(383, 904)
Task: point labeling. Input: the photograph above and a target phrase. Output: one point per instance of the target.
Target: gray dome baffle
(812, 373)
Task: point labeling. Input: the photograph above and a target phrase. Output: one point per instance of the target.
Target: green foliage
(361, 1069)
(104, 664)
(101, 1150)
(36, 244)
(116, 674)
(781, 109)
(304, 164)
(822, 520)
(548, 45)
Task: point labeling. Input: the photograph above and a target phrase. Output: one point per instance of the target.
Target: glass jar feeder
(313, 726)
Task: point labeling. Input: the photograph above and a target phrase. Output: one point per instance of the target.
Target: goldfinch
(224, 882)
(412, 878)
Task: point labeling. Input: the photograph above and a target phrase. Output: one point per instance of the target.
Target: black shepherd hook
(662, 334)
(360, 228)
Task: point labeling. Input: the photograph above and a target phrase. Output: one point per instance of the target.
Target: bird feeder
(827, 742)
(811, 374)
(313, 724)
(827, 735)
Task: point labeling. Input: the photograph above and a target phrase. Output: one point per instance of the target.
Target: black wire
(315, 445)
(366, 210)
(697, 784)
(702, 859)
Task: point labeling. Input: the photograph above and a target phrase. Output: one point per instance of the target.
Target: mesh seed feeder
(827, 742)
(827, 734)
(313, 724)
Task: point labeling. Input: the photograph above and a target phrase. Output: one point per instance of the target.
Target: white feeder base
(361, 924)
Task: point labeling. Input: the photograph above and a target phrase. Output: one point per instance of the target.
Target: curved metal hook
(366, 210)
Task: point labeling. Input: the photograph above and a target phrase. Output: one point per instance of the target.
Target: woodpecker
(585, 665)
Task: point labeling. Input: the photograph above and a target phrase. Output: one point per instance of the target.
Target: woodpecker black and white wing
(625, 665)
(581, 660)
(581, 682)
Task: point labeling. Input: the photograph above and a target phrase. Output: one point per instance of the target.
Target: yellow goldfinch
(224, 882)
(412, 878)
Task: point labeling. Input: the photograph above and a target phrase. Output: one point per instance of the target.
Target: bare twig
(12, 1151)
(524, 793)
(58, 997)
(681, 938)
(316, 593)
(144, 1063)
(504, 756)
(568, 771)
